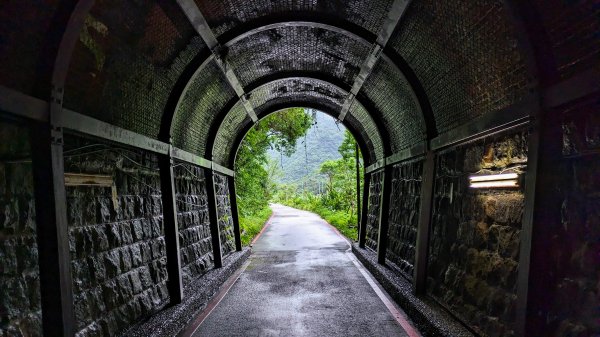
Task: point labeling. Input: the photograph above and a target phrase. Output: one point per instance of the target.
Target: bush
(251, 225)
(342, 220)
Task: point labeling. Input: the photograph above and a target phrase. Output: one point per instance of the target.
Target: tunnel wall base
(429, 317)
(175, 319)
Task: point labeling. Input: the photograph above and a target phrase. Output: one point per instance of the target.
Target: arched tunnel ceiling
(227, 16)
(276, 50)
(300, 92)
(463, 56)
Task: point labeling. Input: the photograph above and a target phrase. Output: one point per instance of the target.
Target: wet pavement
(300, 281)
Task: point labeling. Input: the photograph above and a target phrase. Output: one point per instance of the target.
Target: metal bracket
(394, 16)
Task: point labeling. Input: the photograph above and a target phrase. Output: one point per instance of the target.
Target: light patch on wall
(505, 180)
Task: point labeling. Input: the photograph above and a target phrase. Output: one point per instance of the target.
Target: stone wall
(224, 215)
(404, 215)
(116, 238)
(565, 276)
(374, 205)
(194, 224)
(474, 246)
(20, 302)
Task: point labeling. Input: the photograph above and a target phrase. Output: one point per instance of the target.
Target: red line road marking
(214, 302)
(263, 229)
(398, 314)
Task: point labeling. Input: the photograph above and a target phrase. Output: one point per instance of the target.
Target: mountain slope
(322, 142)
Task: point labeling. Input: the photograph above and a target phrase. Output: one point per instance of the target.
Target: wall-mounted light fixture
(505, 180)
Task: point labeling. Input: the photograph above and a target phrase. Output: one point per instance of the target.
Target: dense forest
(274, 165)
(320, 143)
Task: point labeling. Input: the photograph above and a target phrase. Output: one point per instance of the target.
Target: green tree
(338, 203)
(254, 174)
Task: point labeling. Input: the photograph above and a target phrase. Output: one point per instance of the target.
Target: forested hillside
(322, 142)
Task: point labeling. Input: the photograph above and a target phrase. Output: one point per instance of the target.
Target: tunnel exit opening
(303, 158)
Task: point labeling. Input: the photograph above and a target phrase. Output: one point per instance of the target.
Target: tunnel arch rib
(237, 141)
(416, 92)
(380, 137)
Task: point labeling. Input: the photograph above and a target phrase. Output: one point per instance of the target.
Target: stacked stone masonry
(404, 215)
(375, 189)
(224, 215)
(475, 239)
(20, 301)
(116, 238)
(569, 301)
(193, 220)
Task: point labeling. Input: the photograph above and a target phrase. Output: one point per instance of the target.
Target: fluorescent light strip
(493, 177)
(499, 183)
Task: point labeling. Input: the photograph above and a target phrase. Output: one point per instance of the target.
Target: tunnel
(478, 122)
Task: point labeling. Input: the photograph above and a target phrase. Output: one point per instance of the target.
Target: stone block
(113, 263)
(81, 309)
(126, 235)
(146, 252)
(111, 294)
(136, 282)
(103, 207)
(145, 277)
(125, 288)
(126, 260)
(81, 275)
(136, 255)
(97, 267)
(113, 234)
(157, 227)
(96, 298)
(8, 256)
(100, 238)
(137, 230)
(108, 325)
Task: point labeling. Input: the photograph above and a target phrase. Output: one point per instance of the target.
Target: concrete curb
(429, 317)
(173, 320)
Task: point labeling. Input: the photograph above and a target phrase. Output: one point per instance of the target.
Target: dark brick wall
(466, 55)
(566, 249)
(572, 29)
(224, 214)
(374, 205)
(474, 246)
(20, 306)
(404, 215)
(116, 240)
(127, 59)
(194, 225)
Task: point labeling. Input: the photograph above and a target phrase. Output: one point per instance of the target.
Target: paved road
(300, 282)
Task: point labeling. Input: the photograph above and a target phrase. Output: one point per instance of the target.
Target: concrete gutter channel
(173, 320)
(430, 319)
(428, 316)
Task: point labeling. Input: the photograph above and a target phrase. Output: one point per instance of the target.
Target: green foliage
(337, 202)
(254, 175)
(251, 225)
(320, 143)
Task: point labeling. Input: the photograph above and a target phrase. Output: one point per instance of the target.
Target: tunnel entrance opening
(301, 158)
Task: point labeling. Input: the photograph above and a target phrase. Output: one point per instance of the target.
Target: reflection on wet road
(300, 282)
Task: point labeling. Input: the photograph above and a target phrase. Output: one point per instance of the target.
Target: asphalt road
(301, 281)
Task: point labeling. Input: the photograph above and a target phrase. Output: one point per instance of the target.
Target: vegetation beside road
(329, 191)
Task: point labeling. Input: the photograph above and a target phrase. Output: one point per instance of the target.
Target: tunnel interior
(120, 122)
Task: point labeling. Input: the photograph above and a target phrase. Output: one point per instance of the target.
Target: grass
(251, 225)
